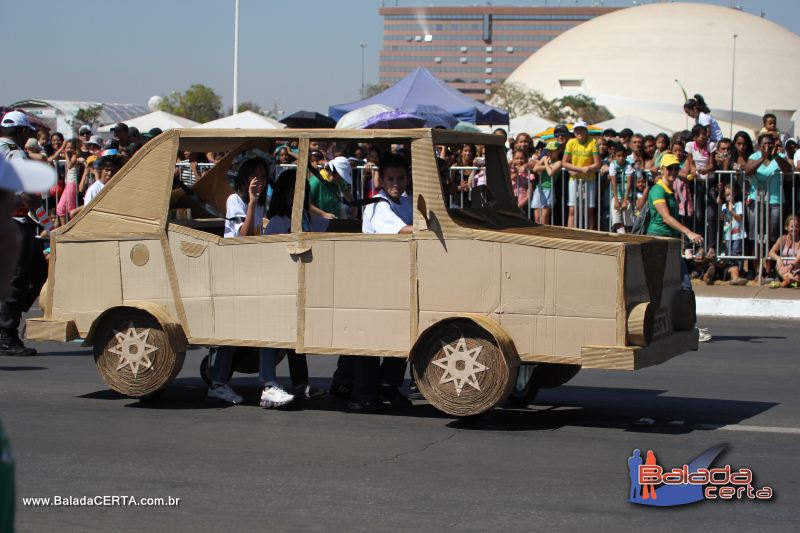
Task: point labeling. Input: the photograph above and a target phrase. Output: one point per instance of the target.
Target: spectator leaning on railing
(582, 160)
(769, 167)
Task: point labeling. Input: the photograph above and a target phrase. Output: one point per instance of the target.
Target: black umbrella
(309, 119)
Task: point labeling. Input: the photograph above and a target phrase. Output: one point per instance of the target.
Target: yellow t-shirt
(582, 155)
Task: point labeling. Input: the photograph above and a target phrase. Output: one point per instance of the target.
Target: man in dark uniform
(31, 270)
(16, 176)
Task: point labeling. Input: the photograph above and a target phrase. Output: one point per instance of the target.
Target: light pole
(685, 97)
(236, 58)
(362, 45)
(733, 77)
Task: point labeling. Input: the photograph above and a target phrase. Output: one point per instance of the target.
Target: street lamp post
(362, 45)
(236, 58)
(733, 77)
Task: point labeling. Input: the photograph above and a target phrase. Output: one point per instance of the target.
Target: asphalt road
(558, 465)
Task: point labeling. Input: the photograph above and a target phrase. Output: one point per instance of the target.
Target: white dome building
(629, 61)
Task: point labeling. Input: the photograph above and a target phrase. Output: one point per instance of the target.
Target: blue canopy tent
(421, 87)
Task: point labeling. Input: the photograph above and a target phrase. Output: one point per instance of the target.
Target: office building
(472, 48)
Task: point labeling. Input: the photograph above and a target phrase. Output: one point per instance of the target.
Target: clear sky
(302, 54)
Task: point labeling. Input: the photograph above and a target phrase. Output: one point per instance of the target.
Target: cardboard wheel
(463, 368)
(134, 355)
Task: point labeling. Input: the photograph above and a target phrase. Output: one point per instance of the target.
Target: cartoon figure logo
(652, 485)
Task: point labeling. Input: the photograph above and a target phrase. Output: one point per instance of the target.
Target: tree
(86, 115)
(584, 107)
(519, 100)
(371, 89)
(198, 103)
(247, 106)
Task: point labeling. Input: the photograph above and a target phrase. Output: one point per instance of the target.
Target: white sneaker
(223, 393)
(703, 335)
(274, 397)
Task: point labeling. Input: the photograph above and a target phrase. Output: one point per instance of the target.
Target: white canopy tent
(358, 117)
(530, 124)
(243, 121)
(635, 124)
(156, 119)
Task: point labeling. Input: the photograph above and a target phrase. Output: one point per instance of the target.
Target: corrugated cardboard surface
(551, 300)
(194, 280)
(143, 186)
(254, 291)
(358, 294)
(87, 281)
(464, 278)
(635, 282)
(50, 330)
(265, 317)
(149, 281)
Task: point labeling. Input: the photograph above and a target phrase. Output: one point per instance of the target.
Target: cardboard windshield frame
(563, 295)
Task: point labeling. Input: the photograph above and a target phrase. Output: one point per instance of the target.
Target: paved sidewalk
(748, 301)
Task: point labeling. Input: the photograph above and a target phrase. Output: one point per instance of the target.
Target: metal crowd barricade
(46, 194)
(186, 174)
(459, 174)
(724, 244)
(762, 214)
(581, 207)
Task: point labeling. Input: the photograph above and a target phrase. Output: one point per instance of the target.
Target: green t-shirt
(661, 193)
(621, 174)
(546, 180)
(768, 177)
(7, 493)
(326, 195)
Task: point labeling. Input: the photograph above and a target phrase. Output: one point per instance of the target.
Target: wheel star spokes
(466, 359)
(133, 350)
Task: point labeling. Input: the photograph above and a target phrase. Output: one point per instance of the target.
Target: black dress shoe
(393, 396)
(340, 390)
(372, 406)
(13, 347)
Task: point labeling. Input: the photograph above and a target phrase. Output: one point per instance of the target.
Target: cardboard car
(473, 293)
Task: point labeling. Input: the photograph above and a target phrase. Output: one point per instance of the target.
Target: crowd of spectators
(735, 192)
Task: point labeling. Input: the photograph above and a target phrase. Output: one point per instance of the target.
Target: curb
(748, 307)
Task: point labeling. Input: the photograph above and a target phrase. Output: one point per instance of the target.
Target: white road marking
(757, 429)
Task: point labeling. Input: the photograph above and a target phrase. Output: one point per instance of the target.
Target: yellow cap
(667, 160)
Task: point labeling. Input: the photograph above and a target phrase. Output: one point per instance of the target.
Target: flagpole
(236, 58)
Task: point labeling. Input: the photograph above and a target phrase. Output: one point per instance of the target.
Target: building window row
(435, 68)
(472, 37)
(495, 27)
(456, 59)
(453, 48)
(481, 81)
(437, 16)
(436, 27)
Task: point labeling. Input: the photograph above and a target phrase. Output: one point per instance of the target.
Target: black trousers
(369, 373)
(27, 280)
(298, 367)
